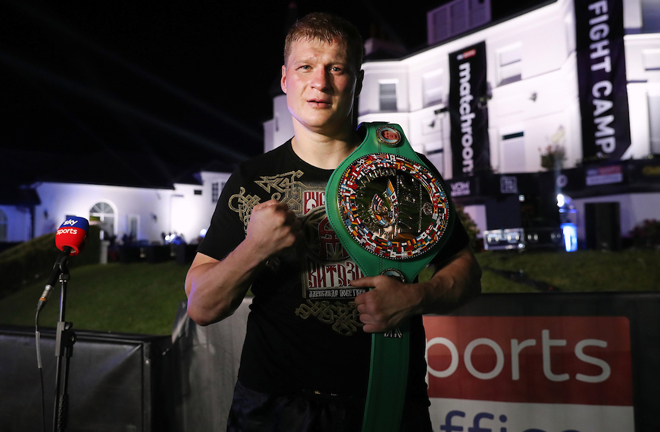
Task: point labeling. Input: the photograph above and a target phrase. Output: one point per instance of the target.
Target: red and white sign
(516, 374)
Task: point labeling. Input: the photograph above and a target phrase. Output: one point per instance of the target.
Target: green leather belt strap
(392, 215)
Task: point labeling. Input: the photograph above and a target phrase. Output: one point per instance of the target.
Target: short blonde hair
(328, 28)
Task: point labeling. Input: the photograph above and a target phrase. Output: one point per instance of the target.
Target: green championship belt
(392, 215)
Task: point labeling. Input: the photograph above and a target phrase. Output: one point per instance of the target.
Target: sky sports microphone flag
(72, 233)
(69, 238)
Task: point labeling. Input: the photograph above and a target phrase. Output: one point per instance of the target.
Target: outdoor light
(202, 233)
(560, 200)
(570, 236)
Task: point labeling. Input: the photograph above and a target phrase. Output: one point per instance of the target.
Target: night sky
(186, 82)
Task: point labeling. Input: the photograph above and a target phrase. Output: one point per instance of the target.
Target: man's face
(320, 86)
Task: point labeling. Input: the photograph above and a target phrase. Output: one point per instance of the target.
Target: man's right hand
(216, 288)
(272, 228)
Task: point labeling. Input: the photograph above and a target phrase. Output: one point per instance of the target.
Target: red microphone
(70, 239)
(72, 234)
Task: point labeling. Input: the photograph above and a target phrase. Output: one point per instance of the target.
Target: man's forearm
(215, 289)
(454, 285)
(391, 302)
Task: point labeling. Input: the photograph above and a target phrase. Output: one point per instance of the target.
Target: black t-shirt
(303, 331)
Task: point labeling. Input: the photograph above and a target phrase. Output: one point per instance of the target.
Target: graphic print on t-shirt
(326, 269)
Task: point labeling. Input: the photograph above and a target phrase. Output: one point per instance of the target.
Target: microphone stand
(64, 340)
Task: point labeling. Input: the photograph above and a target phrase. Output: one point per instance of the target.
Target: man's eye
(305, 67)
(336, 69)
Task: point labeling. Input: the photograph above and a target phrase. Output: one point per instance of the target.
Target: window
(459, 15)
(215, 191)
(432, 88)
(509, 64)
(387, 92)
(512, 150)
(437, 22)
(103, 213)
(654, 121)
(651, 59)
(436, 157)
(569, 27)
(455, 18)
(479, 13)
(4, 222)
(133, 223)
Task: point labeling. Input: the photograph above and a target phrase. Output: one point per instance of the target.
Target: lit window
(387, 92)
(4, 222)
(103, 213)
(509, 64)
(432, 88)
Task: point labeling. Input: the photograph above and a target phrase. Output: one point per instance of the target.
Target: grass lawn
(629, 270)
(143, 298)
(125, 298)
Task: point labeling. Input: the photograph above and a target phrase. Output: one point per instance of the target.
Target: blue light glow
(570, 236)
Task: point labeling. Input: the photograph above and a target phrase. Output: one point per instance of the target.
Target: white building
(140, 212)
(533, 101)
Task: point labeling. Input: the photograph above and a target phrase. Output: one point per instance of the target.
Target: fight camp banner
(534, 373)
(602, 78)
(468, 117)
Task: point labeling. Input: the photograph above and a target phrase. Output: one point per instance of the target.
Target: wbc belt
(392, 215)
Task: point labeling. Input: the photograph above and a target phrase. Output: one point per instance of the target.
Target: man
(305, 360)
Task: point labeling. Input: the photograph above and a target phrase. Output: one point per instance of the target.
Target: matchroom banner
(602, 78)
(538, 373)
(468, 117)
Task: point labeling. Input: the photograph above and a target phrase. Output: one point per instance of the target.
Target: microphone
(70, 239)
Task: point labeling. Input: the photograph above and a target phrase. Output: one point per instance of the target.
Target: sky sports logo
(546, 360)
(467, 54)
(70, 222)
(73, 231)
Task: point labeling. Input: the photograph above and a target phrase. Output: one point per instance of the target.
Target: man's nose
(320, 79)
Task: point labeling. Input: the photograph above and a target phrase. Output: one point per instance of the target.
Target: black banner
(602, 79)
(468, 112)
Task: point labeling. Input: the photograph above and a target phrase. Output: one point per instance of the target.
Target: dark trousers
(253, 411)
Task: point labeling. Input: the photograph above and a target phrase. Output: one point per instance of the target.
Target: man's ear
(358, 84)
(283, 79)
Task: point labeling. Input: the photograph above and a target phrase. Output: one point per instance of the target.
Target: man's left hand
(387, 305)
(391, 303)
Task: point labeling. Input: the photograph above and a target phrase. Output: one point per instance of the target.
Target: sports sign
(538, 374)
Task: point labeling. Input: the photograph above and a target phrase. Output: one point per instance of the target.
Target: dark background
(155, 90)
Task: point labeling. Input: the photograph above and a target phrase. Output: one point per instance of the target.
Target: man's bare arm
(215, 288)
(391, 303)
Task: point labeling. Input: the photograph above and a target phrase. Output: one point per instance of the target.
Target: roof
(104, 167)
